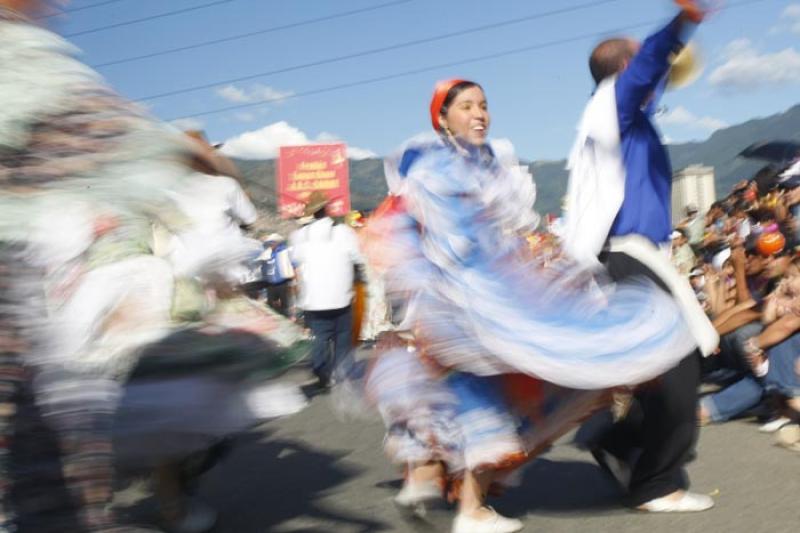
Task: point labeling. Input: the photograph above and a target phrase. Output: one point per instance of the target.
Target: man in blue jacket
(647, 449)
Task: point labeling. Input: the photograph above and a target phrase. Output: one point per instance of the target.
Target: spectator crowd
(742, 260)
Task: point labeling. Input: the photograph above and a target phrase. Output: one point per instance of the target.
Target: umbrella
(774, 151)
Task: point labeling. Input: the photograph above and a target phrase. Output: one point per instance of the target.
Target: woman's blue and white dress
(517, 353)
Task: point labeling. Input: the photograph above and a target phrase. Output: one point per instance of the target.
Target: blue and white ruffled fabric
(478, 302)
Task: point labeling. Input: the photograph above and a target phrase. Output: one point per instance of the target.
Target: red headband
(439, 96)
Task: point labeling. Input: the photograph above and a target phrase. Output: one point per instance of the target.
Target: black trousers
(658, 435)
(278, 297)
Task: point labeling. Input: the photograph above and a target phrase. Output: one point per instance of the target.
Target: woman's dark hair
(454, 91)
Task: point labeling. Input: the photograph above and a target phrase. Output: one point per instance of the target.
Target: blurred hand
(698, 10)
(692, 10)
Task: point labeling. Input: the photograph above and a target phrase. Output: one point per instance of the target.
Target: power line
(146, 19)
(364, 53)
(76, 9)
(476, 59)
(421, 70)
(251, 34)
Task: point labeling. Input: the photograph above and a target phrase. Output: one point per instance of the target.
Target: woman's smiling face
(467, 116)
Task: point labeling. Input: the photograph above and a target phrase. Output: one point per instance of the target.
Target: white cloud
(232, 94)
(327, 137)
(789, 21)
(264, 143)
(680, 116)
(711, 123)
(742, 45)
(746, 69)
(252, 94)
(792, 15)
(354, 152)
(186, 124)
(792, 11)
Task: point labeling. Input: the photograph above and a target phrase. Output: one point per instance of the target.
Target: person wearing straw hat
(326, 256)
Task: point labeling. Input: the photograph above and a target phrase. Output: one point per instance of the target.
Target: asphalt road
(314, 472)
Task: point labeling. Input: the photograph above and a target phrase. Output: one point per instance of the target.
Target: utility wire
(364, 53)
(146, 19)
(475, 59)
(369, 81)
(250, 34)
(81, 8)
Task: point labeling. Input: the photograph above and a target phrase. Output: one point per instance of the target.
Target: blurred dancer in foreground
(500, 347)
(91, 343)
(619, 210)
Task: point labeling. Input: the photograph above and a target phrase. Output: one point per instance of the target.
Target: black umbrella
(775, 151)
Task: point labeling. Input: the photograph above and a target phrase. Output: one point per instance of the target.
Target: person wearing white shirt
(326, 256)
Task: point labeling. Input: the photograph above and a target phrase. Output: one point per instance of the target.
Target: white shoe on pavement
(494, 524)
(774, 425)
(417, 493)
(689, 502)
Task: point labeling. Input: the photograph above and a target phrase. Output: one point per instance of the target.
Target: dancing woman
(507, 355)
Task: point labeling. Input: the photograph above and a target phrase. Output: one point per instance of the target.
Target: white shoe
(774, 425)
(494, 524)
(417, 493)
(690, 502)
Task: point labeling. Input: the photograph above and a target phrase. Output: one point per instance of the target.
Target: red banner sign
(314, 167)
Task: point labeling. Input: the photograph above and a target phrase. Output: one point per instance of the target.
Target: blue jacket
(646, 208)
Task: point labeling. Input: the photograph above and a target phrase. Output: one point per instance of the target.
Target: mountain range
(720, 150)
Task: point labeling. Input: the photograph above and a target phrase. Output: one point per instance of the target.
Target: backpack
(277, 268)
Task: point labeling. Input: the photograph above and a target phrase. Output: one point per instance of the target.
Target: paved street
(315, 473)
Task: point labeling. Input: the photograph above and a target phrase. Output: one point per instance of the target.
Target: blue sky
(751, 53)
